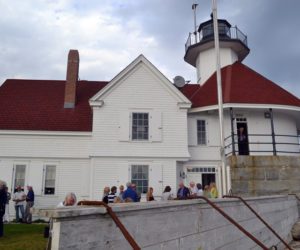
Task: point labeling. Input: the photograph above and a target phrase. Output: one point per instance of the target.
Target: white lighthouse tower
(199, 48)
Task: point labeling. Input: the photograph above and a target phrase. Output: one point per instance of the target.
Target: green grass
(23, 237)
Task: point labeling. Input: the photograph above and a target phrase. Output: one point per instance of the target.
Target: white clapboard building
(81, 136)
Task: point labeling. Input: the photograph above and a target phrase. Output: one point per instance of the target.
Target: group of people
(195, 190)
(19, 198)
(23, 202)
(131, 194)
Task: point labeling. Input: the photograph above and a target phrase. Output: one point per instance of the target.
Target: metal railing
(231, 142)
(126, 234)
(259, 217)
(226, 34)
(233, 222)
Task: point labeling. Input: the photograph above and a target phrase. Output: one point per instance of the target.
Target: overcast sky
(35, 36)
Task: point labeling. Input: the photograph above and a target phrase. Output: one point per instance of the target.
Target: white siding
(44, 146)
(142, 91)
(115, 172)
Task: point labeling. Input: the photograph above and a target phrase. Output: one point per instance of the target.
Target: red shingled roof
(39, 105)
(240, 84)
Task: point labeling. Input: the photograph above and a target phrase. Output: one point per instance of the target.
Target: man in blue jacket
(3, 199)
(130, 193)
(29, 204)
(183, 192)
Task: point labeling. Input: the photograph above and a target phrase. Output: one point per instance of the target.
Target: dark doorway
(242, 132)
(207, 179)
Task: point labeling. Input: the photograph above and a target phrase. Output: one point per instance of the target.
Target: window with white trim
(140, 177)
(50, 176)
(201, 132)
(140, 127)
(19, 176)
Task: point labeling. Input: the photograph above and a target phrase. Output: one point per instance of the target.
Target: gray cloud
(109, 34)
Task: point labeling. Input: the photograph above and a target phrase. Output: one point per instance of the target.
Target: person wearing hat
(19, 198)
(3, 199)
(29, 204)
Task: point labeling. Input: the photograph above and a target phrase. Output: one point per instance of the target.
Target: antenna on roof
(194, 6)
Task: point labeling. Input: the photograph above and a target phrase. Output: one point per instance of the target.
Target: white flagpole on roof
(220, 99)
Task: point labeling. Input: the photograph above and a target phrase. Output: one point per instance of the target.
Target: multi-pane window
(140, 126)
(201, 132)
(50, 179)
(20, 176)
(140, 177)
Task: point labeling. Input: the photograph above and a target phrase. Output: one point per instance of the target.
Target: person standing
(130, 193)
(29, 204)
(112, 194)
(3, 199)
(105, 194)
(19, 198)
(206, 192)
(138, 192)
(183, 192)
(193, 189)
(242, 142)
(121, 188)
(150, 195)
(167, 195)
(213, 190)
(200, 191)
(6, 215)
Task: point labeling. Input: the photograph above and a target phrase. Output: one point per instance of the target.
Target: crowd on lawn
(23, 202)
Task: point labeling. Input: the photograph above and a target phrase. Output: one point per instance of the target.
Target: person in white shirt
(167, 195)
(19, 198)
(70, 200)
(193, 189)
(200, 191)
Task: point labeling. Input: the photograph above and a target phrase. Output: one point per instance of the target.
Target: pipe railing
(232, 142)
(234, 222)
(232, 33)
(259, 217)
(126, 234)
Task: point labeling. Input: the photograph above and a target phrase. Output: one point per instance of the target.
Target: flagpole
(220, 98)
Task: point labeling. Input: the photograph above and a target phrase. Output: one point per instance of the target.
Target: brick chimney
(72, 77)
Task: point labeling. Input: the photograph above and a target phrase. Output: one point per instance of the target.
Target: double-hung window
(50, 174)
(20, 176)
(140, 177)
(140, 127)
(201, 132)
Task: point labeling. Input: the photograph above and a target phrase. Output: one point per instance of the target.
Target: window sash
(20, 175)
(140, 177)
(50, 177)
(201, 132)
(140, 127)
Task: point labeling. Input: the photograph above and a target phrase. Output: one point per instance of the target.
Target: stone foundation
(264, 175)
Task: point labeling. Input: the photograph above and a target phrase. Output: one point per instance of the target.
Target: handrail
(258, 216)
(230, 146)
(234, 222)
(127, 236)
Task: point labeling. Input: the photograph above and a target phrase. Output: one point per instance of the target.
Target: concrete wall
(173, 225)
(265, 175)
